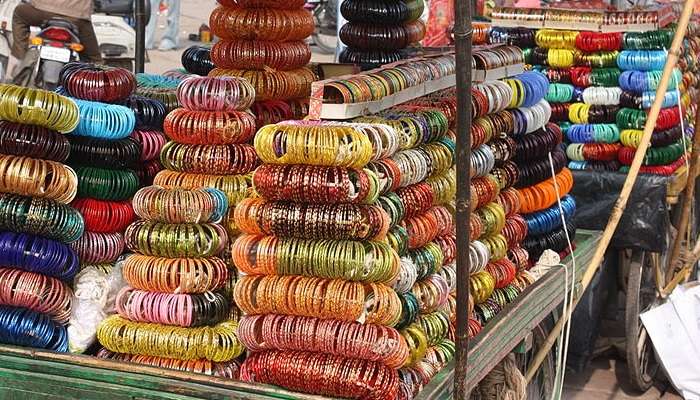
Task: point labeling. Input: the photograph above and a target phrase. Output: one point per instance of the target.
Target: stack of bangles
(39, 255)
(427, 259)
(632, 137)
(96, 82)
(551, 218)
(273, 85)
(349, 260)
(105, 184)
(231, 159)
(38, 178)
(43, 217)
(481, 285)
(556, 240)
(150, 142)
(628, 118)
(23, 327)
(38, 107)
(33, 141)
(175, 240)
(431, 293)
(593, 151)
(149, 113)
(536, 172)
(36, 292)
(228, 369)
(255, 54)
(105, 216)
(336, 299)
(96, 248)
(196, 60)
(176, 206)
(235, 187)
(107, 121)
(109, 154)
(175, 275)
(545, 194)
(655, 156)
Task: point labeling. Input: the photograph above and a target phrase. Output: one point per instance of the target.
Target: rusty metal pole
(463, 47)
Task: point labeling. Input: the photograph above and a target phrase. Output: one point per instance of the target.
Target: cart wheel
(640, 297)
(541, 387)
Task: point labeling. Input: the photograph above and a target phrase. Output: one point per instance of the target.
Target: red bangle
(256, 54)
(105, 216)
(196, 127)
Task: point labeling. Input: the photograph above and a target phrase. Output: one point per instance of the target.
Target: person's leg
(152, 24)
(171, 37)
(24, 17)
(88, 39)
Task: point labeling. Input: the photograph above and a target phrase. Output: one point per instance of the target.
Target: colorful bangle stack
(159, 87)
(36, 222)
(376, 31)
(148, 134)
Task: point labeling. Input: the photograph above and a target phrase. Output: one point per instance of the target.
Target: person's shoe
(167, 45)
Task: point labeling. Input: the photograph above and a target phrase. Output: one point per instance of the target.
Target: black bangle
(150, 113)
(103, 153)
(33, 141)
(196, 60)
(369, 59)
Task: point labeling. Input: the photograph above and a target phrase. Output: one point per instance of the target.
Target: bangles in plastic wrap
(196, 60)
(321, 373)
(427, 259)
(602, 96)
(22, 327)
(258, 54)
(176, 206)
(157, 81)
(549, 219)
(42, 217)
(593, 133)
(234, 186)
(632, 137)
(316, 184)
(224, 94)
(149, 113)
(96, 82)
(352, 260)
(369, 59)
(644, 81)
(37, 107)
(334, 299)
(175, 240)
(599, 41)
(261, 24)
(150, 143)
(657, 39)
(36, 292)
(224, 159)
(166, 96)
(37, 178)
(556, 241)
(645, 99)
(105, 216)
(103, 153)
(431, 292)
(98, 248)
(186, 310)
(339, 145)
(197, 127)
(290, 332)
(33, 141)
(533, 173)
(175, 275)
(38, 255)
(106, 184)
(274, 85)
(655, 155)
(481, 285)
(544, 194)
(629, 118)
(227, 369)
(107, 121)
(382, 12)
(215, 343)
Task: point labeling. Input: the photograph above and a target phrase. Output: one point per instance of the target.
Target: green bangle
(43, 217)
(427, 259)
(105, 184)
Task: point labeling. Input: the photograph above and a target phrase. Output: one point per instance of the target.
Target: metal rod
(621, 203)
(140, 18)
(463, 47)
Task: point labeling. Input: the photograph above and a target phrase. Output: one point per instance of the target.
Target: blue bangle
(642, 60)
(23, 327)
(37, 254)
(548, 220)
(536, 86)
(105, 121)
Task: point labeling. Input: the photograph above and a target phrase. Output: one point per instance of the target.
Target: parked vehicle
(326, 19)
(7, 7)
(113, 22)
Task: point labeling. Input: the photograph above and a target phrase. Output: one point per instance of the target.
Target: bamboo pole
(688, 200)
(626, 188)
(463, 58)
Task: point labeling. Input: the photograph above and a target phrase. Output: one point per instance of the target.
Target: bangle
(321, 373)
(41, 217)
(417, 343)
(336, 299)
(235, 187)
(175, 275)
(311, 221)
(226, 94)
(599, 41)
(259, 54)
(655, 155)
(286, 4)
(107, 121)
(37, 107)
(632, 137)
(99, 248)
(431, 292)
(105, 216)
(150, 143)
(196, 60)
(227, 369)
(427, 259)
(555, 39)
(537, 144)
(481, 285)
(657, 39)
(443, 186)
(177, 206)
(435, 325)
(103, 153)
(555, 241)
(199, 127)
(216, 343)
(149, 113)
(408, 274)
(38, 178)
(532, 173)
(368, 36)
(645, 81)
(290, 332)
(164, 95)
(642, 60)
(22, 327)
(36, 292)
(106, 184)
(398, 239)
(159, 239)
(261, 24)
(369, 59)
(96, 82)
(231, 159)
(593, 151)
(37, 254)
(381, 12)
(148, 171)
(520, 37)
(273, 85)
(33, 141)
(550, 219)
(544, 195)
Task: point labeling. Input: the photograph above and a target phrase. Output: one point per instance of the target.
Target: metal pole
(140, 17)
(463, 47)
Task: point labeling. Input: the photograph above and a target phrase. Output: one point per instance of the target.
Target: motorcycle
(325, 18)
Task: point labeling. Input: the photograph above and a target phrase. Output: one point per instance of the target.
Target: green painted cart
(30, 374)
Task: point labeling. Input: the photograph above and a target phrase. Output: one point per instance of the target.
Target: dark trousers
(26, 16)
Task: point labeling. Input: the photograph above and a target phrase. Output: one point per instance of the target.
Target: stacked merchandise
(197, 60)
(159, 87)
(523, 38)
(378, 30)
(317, 263)
(150, 115)
(104, 158)
(36, 222)
(642, 60)
(209, 149)
(263, 41)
